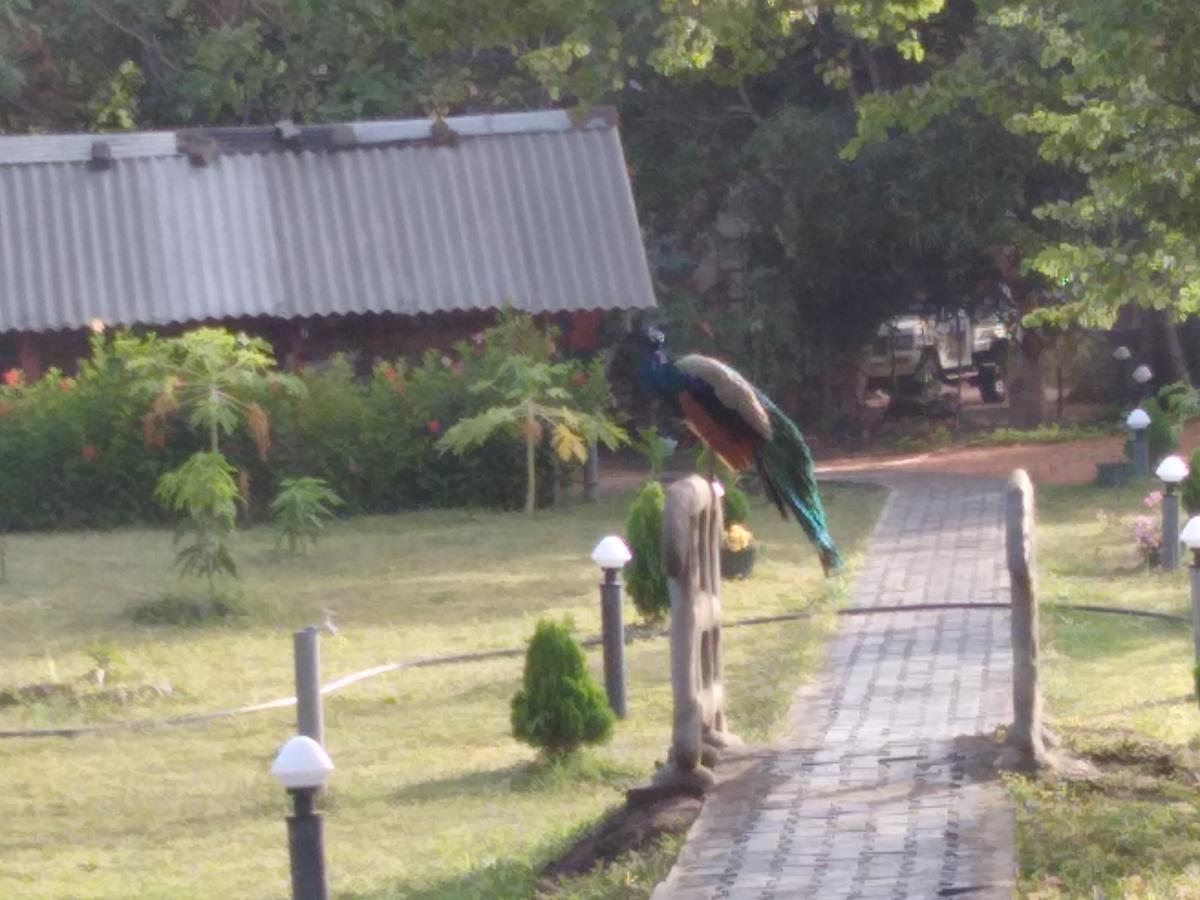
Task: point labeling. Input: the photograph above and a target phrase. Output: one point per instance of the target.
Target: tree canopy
(873, 154)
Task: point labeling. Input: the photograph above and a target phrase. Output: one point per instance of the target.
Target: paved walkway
(871, 796)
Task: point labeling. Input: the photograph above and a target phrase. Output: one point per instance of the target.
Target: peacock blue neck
(658, 374)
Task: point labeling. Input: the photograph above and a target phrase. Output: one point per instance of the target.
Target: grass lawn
(431, 797)
(1119, 690)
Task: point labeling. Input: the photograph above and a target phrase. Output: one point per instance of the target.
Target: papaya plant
(300, 509)
(530, 397)
(212, 377)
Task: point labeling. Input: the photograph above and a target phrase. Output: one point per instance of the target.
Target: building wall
(297, 342)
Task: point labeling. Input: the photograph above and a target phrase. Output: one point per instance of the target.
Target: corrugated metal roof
(526, 208)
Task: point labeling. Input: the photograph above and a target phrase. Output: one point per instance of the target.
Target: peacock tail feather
(786, 468)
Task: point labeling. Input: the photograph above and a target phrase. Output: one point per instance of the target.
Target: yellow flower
(737, 538)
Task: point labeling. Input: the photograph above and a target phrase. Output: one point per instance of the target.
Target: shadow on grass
(1087, 636)
(496, 881)
(537, 776)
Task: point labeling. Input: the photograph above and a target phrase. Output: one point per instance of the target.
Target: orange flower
(89, 452)
(65, 384)
(434, 426)
(579, 379)
(14, 377)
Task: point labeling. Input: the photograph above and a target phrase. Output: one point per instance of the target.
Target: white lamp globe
(1122, 353)
(1142, 374)
(301, 763)
(1172, 470)
(1190, 535)
(611, 553)
(1138, 420)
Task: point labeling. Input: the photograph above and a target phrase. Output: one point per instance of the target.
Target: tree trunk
(1175, 356)
(530, 474)
(1027, 388)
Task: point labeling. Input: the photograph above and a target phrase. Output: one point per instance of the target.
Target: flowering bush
(88, 451)
(1147, 530)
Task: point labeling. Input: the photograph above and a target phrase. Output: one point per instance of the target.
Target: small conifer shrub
(736, 506)
(644, 576)
(559, 707)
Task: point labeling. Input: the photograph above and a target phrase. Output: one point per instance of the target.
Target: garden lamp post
(1142, 376)
(302, 767)
(1170, 472)
(1191, 539)
(611, 554)
(1137, 422)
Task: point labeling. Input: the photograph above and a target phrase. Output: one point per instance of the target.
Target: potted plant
(738, 547)
(738, 551)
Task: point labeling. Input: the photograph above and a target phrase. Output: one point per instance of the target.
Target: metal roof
(530, 209)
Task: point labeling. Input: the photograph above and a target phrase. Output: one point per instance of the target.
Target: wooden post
(1026, 735)
(310, 718)
(691, 541)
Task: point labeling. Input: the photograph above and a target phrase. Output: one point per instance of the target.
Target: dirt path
(1067, 463)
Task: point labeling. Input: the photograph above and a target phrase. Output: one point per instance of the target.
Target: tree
(1108, 91)
(212, 377)
(530, 397)
(559, 707)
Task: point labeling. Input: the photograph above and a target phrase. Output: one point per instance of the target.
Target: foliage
(203, 489)
(212, 377)
(1189, 492)
(559, 707)
(655, 448)
(1163, 432)
(736, 506)
(528, 396)
(645, 578)
(1043, 434)
(88, 450)
(1092, 87)
(188, 611)
(300, 509)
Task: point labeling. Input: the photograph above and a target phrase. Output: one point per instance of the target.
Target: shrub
(88, 451)
(300, 510)
(559, 707)
(190, 611)
(644, 576)
(1163, 432)
(1190, 489)
(736, 506)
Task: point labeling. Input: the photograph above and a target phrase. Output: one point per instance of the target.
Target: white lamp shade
(1138, 419)
(611, 553)
(1172, 470)
(1191, 533)
(1122, 353)
(1142, 374)
(301, 763)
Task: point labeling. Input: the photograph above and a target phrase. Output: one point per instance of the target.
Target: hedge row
(81, 451)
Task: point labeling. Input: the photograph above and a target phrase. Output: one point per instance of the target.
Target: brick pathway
(872, 795)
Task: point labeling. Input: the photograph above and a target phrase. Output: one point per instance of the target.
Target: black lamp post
(302, 767)
(1170, 472)
(611, 554)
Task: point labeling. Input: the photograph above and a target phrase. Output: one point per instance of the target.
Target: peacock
(740, 424)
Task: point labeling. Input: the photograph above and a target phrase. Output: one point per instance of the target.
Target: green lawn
(431, 797)
(1121, 690)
